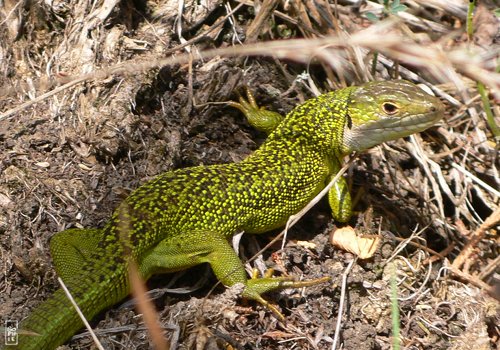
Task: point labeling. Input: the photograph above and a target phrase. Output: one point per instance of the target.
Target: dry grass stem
(82, 316)
(477, 235)
(432, 58)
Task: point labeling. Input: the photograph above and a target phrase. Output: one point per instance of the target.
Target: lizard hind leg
(193, 248)
(71, 248)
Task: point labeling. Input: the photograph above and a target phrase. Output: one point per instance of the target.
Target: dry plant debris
(346, 238)
(100, 96)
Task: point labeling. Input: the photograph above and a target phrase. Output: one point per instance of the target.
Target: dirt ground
(71, 158)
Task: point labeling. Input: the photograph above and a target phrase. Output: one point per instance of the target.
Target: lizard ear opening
(390, 108)
(349, 120)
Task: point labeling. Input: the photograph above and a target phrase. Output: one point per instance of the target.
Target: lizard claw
(257, 286)
(258, 117)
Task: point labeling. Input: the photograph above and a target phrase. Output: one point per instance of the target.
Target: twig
(478, 234)
(476, 179)
(79, 312)
(490, 268)
(472, 280)
(341, 304)
(146, 308)
(327, 48)
(266, 9)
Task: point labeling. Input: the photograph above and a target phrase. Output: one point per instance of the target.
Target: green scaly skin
(186, 217)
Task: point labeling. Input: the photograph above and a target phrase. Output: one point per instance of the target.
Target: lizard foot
(258, 117)
(256, 286)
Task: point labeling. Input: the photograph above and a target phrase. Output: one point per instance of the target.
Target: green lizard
(185, 217)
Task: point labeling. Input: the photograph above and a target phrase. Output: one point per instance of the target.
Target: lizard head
(380, 111)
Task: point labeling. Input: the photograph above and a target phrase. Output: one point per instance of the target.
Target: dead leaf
(347, 239)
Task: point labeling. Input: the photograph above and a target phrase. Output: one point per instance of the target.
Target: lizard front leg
(266, 121)
(339, 199)
(258, 117)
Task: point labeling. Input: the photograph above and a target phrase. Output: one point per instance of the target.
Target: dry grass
(98, 97)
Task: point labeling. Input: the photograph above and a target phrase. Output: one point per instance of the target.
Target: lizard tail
(56, 320)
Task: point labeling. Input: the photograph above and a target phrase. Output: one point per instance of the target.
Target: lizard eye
(390, 108)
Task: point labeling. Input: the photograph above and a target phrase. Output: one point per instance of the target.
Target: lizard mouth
(404, 125)
(373, 133)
